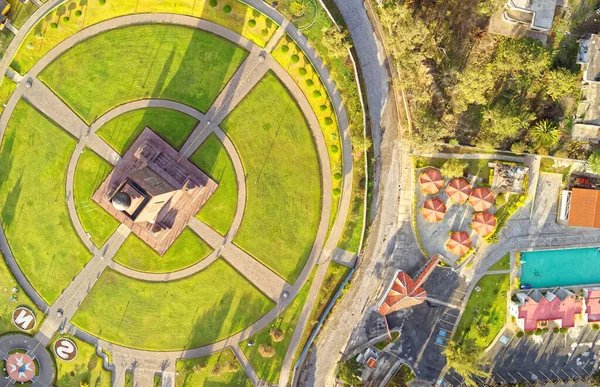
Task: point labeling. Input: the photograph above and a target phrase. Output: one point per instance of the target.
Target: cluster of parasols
(458, 191)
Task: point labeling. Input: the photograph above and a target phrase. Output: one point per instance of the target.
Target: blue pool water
(549, 268)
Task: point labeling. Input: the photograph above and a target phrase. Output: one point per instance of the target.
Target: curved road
(294, 89)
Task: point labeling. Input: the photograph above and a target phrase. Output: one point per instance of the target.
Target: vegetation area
(8, 304)
(201, 309)
(212, 158)
(350, 372)
(271, 344)
(172, 126)
(34, 158)
(20, 12)
(216, 370)
(382, 344)
(187, 65)
(401, 377)
(91, 171)
(466, 86)
(283, 204)
(471, 167)
(502, 264)
(85, 369)
(466, 359)
(187, 250)
(6, 36)
(336, 273)
(52, 29)
(485, 312)
(6, 90)
(332, 47)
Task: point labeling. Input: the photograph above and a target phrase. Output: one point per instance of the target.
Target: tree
(561, 83)
(466, 358)
(594, 161)
(504, 121)
(337, 42)
(350, 372)
(266, 350)
(454, 168)
(595, 379)
(545, 134)
(276, 334)
(473, 85)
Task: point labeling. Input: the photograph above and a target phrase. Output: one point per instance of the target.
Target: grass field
(212, 157)
(238, 20)
(172, 126)
(86, 367)
(269, 368)
(145, 61)
(7, 305)
(198, 310)
(502, 264)
(19, 12)
(485, 313)
(6, 90)
(33, 166)
(187, 250)
(282, 174)
(216, 370)
(6, 36)
(91, 171)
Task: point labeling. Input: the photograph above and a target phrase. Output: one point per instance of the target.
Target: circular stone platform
(20, 367)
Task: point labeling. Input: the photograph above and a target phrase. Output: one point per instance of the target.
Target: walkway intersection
(146, 364)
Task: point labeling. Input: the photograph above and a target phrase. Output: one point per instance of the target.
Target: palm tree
(545, 134)
(466, 358)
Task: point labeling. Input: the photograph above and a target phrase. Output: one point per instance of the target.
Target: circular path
(14, 341)
(71, 297)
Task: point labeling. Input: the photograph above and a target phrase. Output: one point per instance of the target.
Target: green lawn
(282, 178)
(87, 367)
(216, 370)
(502, 264)
(91, 171)
(172, 126)
(33, 166)
(485, 313)
(187, 250)
(6, 36)
(195, 311)
(7, 305)
(353, 230)
(145, 61)
(19, 12)
(6, 90)
(238, 20)
(213, 159)
(128, 379)
(269, 368)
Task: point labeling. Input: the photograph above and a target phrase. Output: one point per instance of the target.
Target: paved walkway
(47, 102)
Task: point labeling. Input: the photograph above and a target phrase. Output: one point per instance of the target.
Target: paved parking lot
(550, 358)
(446, 285)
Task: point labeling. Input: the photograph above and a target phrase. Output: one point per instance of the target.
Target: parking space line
(498, 375)
(576, 373)
(568, 376)
(511, 375)
(550, 380)
(521, 375)
(559, 378)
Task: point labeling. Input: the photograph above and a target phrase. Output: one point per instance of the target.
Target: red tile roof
(585, 208)
(533, 312)
(433, 210)
(405, 292)
(592, 305)
(458, 190)
(431, 181)
(481, 199)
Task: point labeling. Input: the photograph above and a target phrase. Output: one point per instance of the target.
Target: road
(391, 222)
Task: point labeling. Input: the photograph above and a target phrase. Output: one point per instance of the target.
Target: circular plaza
(170, 178)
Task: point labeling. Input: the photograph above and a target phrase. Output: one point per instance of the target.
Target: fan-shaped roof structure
(431, 181)
(433, 210)
(484, 223)
(481, 199)
(20, 367)
(458, 190)
(405, 292)
(459, 243)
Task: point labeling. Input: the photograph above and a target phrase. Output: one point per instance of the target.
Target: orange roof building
(585, 208)
(459, 243)
(484, 223)
(481, 199)
(458, 190)
(431, 181)
(405, 292)
(433, 210)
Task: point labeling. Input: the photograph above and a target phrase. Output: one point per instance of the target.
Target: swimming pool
(549, 268)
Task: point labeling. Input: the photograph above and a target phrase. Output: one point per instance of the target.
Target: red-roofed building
(405, 292)
(534, 309)
(592, 304)
(371, 363)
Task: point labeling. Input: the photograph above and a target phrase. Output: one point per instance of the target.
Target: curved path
(232, 94)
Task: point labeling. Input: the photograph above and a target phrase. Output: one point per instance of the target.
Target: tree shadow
(10, 205)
